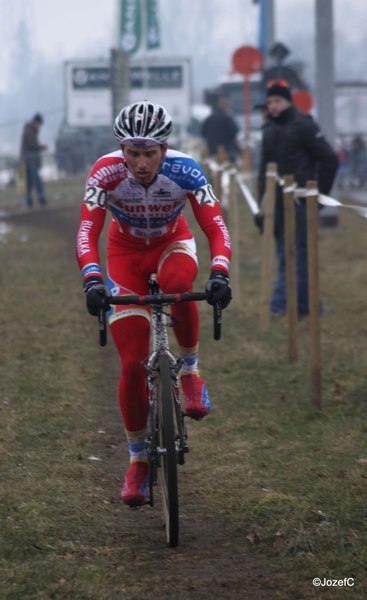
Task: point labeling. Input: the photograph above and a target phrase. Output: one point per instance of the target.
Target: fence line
(230, 181)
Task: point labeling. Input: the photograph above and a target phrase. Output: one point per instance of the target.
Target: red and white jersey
(147, 217)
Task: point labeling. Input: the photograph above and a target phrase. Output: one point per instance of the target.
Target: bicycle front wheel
(168, 452)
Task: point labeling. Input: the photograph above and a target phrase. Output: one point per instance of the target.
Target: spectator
(262, 106)
(295, 143)
(30, 154)
(220, 129)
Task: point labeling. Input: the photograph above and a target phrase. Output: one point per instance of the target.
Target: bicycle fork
(161, 346)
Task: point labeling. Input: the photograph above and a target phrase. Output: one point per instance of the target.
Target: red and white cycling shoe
(134, 492)
(197, 403)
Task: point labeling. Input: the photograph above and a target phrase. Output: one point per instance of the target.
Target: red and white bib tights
(148, 233)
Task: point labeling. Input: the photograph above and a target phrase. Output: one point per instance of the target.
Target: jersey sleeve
(92, 218)
(207, 213)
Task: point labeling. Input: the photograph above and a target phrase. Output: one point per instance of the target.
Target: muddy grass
(272, 494)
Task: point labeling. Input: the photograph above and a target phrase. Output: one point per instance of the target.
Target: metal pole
(120, 80)
(267, 28)
(325, 86)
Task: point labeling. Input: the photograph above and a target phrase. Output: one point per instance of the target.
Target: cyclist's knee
(177, 274)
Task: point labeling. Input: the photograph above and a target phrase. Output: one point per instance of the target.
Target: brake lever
(102, 326)
(217, 314)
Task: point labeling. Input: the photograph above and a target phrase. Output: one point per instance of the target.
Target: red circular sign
(247, 60)
(302, 100)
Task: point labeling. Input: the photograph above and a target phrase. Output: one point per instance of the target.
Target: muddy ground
(213, 560)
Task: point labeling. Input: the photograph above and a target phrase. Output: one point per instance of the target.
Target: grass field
(273, 493)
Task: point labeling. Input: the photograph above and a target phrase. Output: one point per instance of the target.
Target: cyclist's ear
(164, 148)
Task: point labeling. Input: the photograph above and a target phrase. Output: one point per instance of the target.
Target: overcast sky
(87, 28)
(208, 31)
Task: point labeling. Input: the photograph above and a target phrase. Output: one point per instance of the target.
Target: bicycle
(166, 437)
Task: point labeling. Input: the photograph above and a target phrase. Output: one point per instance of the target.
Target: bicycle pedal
(193, 418)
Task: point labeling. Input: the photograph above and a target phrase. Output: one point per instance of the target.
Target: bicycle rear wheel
(168, 458)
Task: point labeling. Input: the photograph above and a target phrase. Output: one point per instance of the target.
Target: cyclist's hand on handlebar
(97, 295)
(218, 289)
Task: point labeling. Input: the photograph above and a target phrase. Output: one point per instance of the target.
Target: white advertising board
(88, 93)
(166, 82)
(89, 89)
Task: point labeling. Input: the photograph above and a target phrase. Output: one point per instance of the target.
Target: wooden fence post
(233, 231)
(313, 294)
(290, 265)
(268, 246)
(221, 156)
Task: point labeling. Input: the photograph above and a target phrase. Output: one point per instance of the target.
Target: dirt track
(213, 560)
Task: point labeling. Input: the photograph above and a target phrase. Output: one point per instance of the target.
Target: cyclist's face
(144, 163)
(276, 105)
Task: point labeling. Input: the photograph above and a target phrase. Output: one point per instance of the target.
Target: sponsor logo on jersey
(227, 240)
(161, 194)
(221, 261)
(141, 233)
(181, 170)
(91, 269)
(83, 237)
(127, 200)
(164, 213)
(112, 172)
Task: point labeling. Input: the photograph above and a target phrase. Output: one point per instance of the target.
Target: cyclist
(145, 187)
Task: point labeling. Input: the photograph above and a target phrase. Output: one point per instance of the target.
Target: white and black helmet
(142, 124)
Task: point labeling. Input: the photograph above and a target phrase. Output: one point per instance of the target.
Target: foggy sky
(207, 32)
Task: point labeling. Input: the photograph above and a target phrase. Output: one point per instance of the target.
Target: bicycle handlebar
(158, 300)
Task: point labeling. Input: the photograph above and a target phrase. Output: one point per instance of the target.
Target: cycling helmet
(142, 124)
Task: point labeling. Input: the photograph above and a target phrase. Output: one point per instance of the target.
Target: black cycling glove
(218, 289)
(97, 295)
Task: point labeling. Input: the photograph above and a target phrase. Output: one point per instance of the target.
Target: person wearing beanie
(293, 141)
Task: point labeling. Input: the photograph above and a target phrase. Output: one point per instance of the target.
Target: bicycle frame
(166, 436)
(160, 346)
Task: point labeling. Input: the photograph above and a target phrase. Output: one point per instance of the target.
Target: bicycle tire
(168, 459)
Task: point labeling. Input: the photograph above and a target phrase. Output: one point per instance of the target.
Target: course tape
(299, 193)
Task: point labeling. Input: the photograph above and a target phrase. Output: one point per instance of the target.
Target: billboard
(166, 82)
(89, 90)
(88, 94)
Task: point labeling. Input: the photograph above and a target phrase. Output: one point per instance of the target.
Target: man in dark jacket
(220, 129)
(293, 141)
(30, 154)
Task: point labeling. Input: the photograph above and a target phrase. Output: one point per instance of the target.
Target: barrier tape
(298, 192)
(225, 185)
(215, 167)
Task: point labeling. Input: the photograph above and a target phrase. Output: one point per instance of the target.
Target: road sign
(303, 100)
(247, 60)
